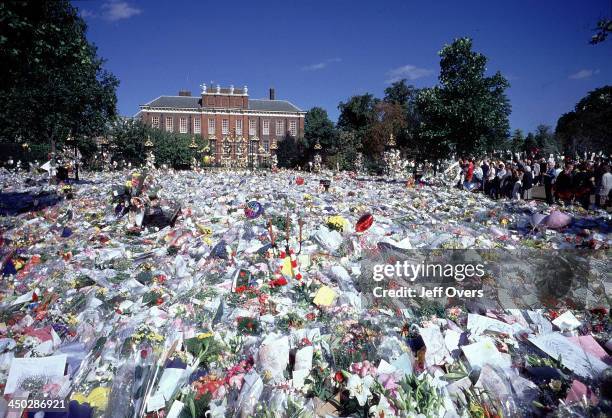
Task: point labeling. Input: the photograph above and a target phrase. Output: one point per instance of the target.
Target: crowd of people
(565, 181)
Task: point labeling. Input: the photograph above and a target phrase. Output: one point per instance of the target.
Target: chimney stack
(184, 93)
(272, 94)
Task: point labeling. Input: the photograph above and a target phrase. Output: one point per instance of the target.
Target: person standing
(564, 184)
(536, 173)
(549, 179)
(605, 187)
(527, 182)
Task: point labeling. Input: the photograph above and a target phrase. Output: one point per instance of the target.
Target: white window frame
(225, 126)
(211, 126)
(238, 126)
(197, 125)
(169, 124)
(252, 126)
(280, 127)
(293, 127)
(266, 127)
(155, 122)
(183, 125)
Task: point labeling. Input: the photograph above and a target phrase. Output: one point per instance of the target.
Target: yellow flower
(71, 320)
(307, 197)
(338, 223)
(203, 335)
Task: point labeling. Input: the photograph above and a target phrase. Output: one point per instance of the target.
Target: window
(197, 127)
(183, 125)
(266, 144)
(225, 126)
(280, 127)
(211, 126)
(293, 128)
(252, 126)
(169, 124)
(238, 126)
(266, 127)
(155, 121)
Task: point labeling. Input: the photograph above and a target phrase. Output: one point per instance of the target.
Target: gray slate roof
(272, 105)
(182, 102)
(191, 102)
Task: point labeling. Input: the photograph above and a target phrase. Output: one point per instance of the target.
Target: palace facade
(242, 131)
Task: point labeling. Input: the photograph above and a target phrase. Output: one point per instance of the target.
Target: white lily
(360, 388)
(383, 409)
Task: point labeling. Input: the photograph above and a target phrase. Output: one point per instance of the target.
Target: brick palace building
(241, 131)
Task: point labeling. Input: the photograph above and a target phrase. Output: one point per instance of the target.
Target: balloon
(557, 220)
(299, 181)
(364, 222)
(253, 209)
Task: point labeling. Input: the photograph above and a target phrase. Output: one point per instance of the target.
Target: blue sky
(318, 53)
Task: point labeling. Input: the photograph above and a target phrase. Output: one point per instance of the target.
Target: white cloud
(583, 74)
(117, 10)
(320, 65)
(87, 13)
(410, 72)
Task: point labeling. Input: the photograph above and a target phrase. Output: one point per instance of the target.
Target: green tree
(52, 82)
(588, 128)
(357, 116)
(468, 112)
(517, 141)
(530, 143)
(390, 120)
(405, 95)
(319, 128)
(128, 137)
(358, 113)
(545, 140)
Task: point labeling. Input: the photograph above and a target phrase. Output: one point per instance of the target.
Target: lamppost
(252, 150)
(317, 158)
(150, 161)
(273, 156)
(193, 146)
(261, 154)
(104, 145)
(26, 149)
(71, 142)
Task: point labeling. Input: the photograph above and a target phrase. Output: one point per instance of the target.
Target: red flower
(339, 377)
(160, 301)
(241, 289)
(553, 314)
(306, 341)
(311, 316)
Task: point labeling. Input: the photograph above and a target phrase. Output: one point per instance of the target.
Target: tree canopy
(468, 112)
(52, 81)
(589, 126)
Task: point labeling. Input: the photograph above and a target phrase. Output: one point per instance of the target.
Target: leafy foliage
(129, 137)
(319, 128)
(468, 112)
(589, 126)
(604, 28)
(51, 80)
